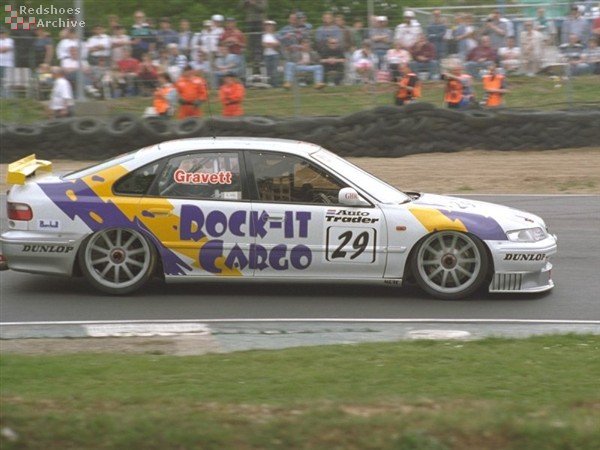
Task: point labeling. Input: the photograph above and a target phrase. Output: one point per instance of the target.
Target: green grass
(539, 393)
(538, 93)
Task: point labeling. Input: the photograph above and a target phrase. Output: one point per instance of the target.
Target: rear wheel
(450, 265)
(117, 260)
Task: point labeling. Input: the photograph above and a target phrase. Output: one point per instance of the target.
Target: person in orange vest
(409, 86)
(165, 96)
(192, 92)
(459, 88)
(494, 85)
(231, 94)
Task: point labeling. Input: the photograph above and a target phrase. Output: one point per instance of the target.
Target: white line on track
(329, 320)
(468, 194)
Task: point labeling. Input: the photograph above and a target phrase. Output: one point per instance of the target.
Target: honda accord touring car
(262, 209)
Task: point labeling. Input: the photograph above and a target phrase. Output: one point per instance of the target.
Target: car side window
(291, 179)
(209, 176)
(137, 182)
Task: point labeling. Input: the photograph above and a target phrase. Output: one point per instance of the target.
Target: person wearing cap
(255, 16)
(408, 31)
(575, 24)
(231, 94)
(381, 39)
(192, 92)
(271, 46)
(61, 98)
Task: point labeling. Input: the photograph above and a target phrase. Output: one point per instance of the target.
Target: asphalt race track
(575, 219)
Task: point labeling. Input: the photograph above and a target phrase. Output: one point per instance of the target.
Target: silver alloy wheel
(117, 257)
(449, 262)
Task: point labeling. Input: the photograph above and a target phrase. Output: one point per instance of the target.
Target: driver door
(302, 230)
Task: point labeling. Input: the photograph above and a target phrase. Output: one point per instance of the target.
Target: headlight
(527, 235)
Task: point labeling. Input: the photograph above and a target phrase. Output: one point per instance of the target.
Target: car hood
(486, 220)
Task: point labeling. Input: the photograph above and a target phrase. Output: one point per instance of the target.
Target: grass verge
(539, 93)
(539, 393)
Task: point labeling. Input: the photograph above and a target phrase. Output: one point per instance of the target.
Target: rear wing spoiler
(18, 171)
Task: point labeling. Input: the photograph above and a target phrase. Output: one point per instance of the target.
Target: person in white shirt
(119, 43)
(7, 56)
(70, 40)
(532, 46)
(271, 46)
(71, 66)
(408, 31)
(61, 97)
(510, 56)
(98, 45)
(216, 31)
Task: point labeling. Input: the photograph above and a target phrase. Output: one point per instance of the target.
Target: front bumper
(34, 252)
(522, 267)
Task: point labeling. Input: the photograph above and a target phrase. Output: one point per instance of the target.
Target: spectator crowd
(176, 63)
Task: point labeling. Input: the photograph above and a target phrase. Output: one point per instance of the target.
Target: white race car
(264, 209)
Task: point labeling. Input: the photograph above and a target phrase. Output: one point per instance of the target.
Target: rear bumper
(32, 252)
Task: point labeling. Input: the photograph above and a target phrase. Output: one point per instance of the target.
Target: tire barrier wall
(382, 131)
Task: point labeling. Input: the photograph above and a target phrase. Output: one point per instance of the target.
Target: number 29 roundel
(351, 245)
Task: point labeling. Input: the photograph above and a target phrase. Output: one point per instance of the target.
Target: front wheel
(450, 265)
(117, 260)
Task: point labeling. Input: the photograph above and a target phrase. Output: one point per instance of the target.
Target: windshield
(90, 170)
(380, 190)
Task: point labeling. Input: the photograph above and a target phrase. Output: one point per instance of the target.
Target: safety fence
(385, 131)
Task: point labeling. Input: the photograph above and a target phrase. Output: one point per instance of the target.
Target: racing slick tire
(450, 265)
(117, 261)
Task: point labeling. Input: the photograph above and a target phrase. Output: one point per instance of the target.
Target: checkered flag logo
(15, 21)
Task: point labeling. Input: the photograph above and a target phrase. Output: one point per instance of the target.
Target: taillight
(19, 211)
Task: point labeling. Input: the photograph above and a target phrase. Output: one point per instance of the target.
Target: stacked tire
(382, 131)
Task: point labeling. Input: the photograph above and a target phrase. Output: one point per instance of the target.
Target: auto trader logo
(17, 21)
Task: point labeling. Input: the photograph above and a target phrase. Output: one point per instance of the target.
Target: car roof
(233, 143)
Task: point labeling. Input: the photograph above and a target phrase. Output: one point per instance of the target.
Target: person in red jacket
(192, 92)
(231, 94)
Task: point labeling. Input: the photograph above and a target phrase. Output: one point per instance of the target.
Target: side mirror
(349, 196)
